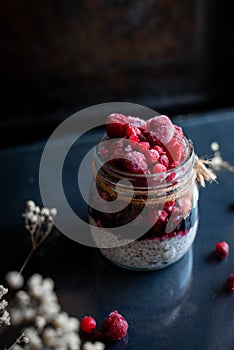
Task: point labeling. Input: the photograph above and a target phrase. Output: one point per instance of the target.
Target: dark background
(57, 57)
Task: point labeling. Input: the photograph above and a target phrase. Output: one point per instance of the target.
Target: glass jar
(144, 222)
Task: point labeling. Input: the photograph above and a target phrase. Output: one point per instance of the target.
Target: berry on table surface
(114, 327)
(88, 324)
(222, 249)
(229, 286)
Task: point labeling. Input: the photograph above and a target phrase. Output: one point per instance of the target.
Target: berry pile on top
(144, 147)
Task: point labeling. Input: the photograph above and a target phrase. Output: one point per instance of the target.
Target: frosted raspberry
(143, 147)
(160, 150)
(178, 132)
(135, 163)
(114, 327)
(116, 125)
(162, 127)
(222, 249)
(132, 131)
(175, 149)
(164, 160)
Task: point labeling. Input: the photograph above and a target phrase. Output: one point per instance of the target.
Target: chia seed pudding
(159, 200)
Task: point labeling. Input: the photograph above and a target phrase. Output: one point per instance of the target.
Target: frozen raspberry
(132, 131)
(174, 149)
(152, 156)
(230, 283)
(134, 138)
(116, 125)
(162, 127)
(114, 327)
(135, 121)
(222, 249)
(135, 162)
(158, 168)
(88, 324)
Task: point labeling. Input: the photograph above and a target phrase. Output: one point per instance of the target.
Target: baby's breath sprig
(39, 223)
(23, 339)
(4, 314)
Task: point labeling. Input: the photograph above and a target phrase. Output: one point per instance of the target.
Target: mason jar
(144, 221)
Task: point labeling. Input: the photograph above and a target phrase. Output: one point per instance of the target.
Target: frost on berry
(162, 127)
(222, 249)
(116, 125)
(114, 327)
(135, 162)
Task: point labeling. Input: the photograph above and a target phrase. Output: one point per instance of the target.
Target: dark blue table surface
(184, 306)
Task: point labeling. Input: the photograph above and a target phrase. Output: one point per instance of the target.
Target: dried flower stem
(21, 340)
(39, 223)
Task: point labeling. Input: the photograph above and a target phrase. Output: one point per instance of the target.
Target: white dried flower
(45, 211)
(93, 346)
(14, 279)
(34, 339)
(3, 291)
(34, 280)
(4, 318)
(36, 210)
(48, 284)
(40, 322)
(30, 205)
(29, 314)
(3, 304)
(214, 146)
(24, 339)
(17, 316)
(22, 297)
(53, 212)
(73, 341)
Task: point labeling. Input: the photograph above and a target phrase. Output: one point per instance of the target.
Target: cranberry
(222, 249)
(164, 160)
(230, 283)
(143, 147)
(152, 156)
(132, 131)
(116, 125)
(88, 324)
(114, 327)
(162, 127)
(135, 162)
(158, 168)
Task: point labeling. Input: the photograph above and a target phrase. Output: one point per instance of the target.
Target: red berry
(178, 132)
(88, 324)
(158, 168)
(135, 162)
(132, 131)
(134, 138)
(162, 127)
(230, 283)
(159, 149)
(152, 156)
(143, 147)
(164, 160)
(116, 125)
(222, 249)
(174, 149)
(114, 327)
(169, 206)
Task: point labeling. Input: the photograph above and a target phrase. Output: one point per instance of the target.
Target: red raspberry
(114, 327)
(88, 324)
(162, 127)
(158, 168)
(116, 125)
(229, 286)
(134, 138)
(159, 149)
(152, 156)
(222, 249)
(135, 162)
(132, 131)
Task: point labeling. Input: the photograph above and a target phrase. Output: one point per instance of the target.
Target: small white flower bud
(3, 291)
(45, 212)
(214, 146)
(22, 297)
(30, 205)
(40, 322)
(25, 339)
(37, 210)
(14, 279)
(34, 280)
(53, 212)
(48, 284)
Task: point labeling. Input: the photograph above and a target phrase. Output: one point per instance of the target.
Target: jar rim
(126, 175)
